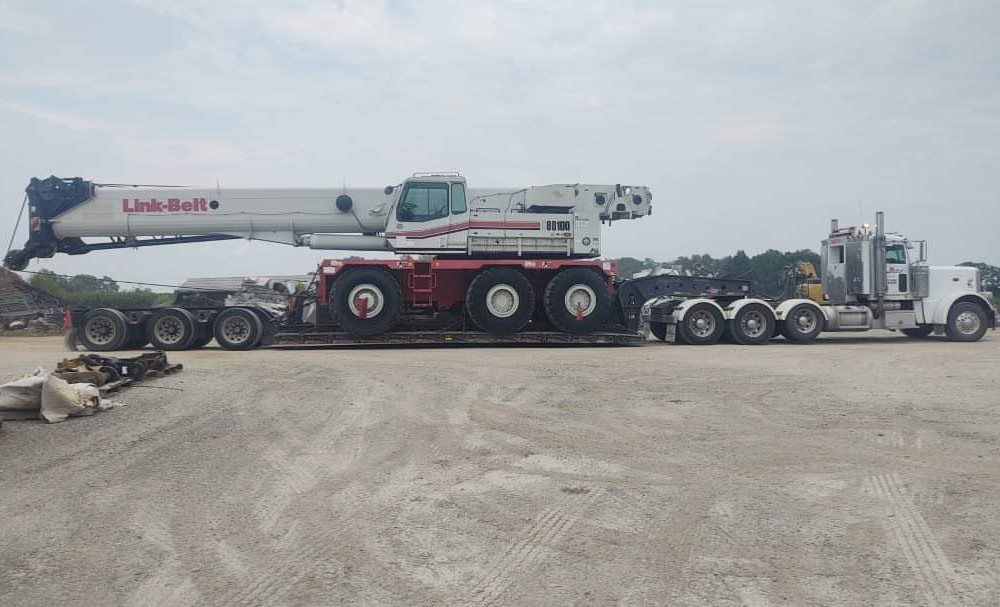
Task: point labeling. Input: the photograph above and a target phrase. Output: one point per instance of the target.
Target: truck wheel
(171, 329)
(137, 337)
(238, 329)
(966, 322)
(918, 332)
(802, 323)
(702, 325)
(752, 325)
(659, 330)
(500, 300)
(103, 330)
(365, 301)
(577, 301)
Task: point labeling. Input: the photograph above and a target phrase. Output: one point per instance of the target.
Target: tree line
(87, 290)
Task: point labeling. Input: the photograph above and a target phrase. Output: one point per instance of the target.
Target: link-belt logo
(170, 205)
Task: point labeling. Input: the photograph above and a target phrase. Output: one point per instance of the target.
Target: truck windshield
(423, 202)
(895, 254)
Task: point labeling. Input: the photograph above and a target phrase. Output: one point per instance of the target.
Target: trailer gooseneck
(480, 263)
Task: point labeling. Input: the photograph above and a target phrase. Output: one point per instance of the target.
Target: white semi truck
(476, 265)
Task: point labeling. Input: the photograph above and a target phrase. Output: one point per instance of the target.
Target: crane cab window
(423, 202)
(458, 205)
(895, 254)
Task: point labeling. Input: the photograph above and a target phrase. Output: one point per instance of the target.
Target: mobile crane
(501, 258)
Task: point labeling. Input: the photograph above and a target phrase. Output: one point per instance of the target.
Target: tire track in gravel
(537, 539)
(931, 568)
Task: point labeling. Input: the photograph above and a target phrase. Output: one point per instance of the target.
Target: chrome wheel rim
(502, 301)
(753, 323)
(580, 299)
(967, 323)
(702, 323)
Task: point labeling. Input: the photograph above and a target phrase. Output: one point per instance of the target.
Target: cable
(24, 203)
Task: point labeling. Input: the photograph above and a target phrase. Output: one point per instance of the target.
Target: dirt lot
(860, 470)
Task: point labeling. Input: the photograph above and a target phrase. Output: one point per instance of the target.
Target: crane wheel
(753, 324)
(702, 325)
(659, 330)
(500, 300)
(103, 330)
(919, 332)
(237, 329)
(577, 301)
(802, 323)
(366, 301)
(966, 322)
(171, 329)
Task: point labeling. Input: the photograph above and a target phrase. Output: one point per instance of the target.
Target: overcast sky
(753, 123)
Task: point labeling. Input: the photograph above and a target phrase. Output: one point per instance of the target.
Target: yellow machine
(808, 284)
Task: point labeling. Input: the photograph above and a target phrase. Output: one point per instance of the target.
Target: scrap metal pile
(23, 306)
(78, 386)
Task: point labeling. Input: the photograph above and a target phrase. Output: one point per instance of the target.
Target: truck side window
(895, 254)
(423, 202)
(458, 205)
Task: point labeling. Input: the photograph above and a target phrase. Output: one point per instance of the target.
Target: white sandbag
(60, 399)
(22, 398)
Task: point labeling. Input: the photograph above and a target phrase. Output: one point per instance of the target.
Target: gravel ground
(858, 470)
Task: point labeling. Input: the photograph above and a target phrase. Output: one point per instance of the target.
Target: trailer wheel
(238, 329)
(752, 325)
(171, 329)
(500, 300)
(577, 301)
(966, 322)
(918, 332)
(802, 323)
(659, 330)
(702, 325)
(366, 301)
(200, 341)
(103, 330)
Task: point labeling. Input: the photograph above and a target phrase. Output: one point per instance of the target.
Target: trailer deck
(331, 336)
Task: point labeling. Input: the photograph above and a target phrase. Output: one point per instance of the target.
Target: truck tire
(752, 325)
(659, 330)
(200, 341)
(919, 332)
(966, 322)
(500, 300)
(238, 329)
(366, 301)
(171, 329)
(802, 323)
(103, 330)
(137, 338)
(702, 325)
(576, 301)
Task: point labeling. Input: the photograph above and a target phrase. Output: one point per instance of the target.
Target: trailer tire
(171, 329)
(802, 323)
(577, 289)
(659, 330)
(201, 341)
(966, 322)
(238, 329)
(918, 332)
(382, 296)
(137, 337)
(752, 325)
(103, 330)
(500, 300)
(702, 325)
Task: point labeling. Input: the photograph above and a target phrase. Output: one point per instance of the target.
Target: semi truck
(488, 265)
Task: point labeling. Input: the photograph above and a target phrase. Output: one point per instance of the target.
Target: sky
(754, 123)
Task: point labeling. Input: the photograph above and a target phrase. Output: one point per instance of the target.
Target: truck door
(897, 269)
(424, 219)
(459, 236)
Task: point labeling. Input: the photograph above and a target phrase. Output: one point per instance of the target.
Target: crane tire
(802, 323)
(382, 297)
(103, 330)
(171, 329)
(966, 322)
(702, 325)
(752, 325)
(237, 329)
(576, 301)
(500, 300)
